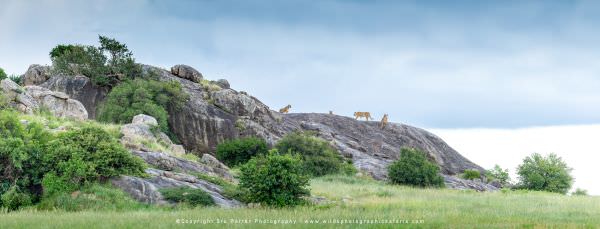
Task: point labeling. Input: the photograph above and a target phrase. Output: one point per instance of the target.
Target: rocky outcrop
(143, 133)
(57, 103)
(215, 113)
(187, 72)
(462, 184)
(222, 83)
(170, 163)
(80, 88)
(36, 74)
(139, 189)
(210, 117)
(147, 190)
(30, 98)
(372, 149)
(17, 98)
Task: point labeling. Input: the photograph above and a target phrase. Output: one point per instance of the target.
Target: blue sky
(433, 64)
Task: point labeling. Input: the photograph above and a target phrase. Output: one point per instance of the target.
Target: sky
(487, 70)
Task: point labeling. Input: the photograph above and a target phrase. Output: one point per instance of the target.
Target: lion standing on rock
(360, 114)
(286, 109)
(384, 121)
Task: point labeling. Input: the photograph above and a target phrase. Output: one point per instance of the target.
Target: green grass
(352, 198)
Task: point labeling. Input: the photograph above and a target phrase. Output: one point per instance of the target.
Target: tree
(499, 174)
(548, 173)
(2, 74)
(92, 61)
(580, 192)
(413, 168)
(117, 50)
(274, 179)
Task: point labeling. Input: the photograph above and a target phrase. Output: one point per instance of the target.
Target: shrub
(140, 96)
(471, 174)
(580, 192)
(318, 157)
(499, 174)
(17, 79)
(238, 151)
(85, 156)
(92, 62)
(274, 179)
(541, 173)
(413, 168)
(14, 198)
(21, 148)
(2, 74)
(193, 197)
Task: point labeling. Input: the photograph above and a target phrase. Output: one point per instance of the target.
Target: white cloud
(577, 145)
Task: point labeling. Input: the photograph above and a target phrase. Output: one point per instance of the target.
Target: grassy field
(350, 199)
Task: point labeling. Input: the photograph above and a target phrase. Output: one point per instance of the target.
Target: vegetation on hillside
(141, 96)
(2, 74)
(186, 195)
(471, 174)
(498, 174)
(318, 156)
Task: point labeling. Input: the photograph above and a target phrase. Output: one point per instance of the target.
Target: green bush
(191, 196)
(274, 180)
(140, 96)
(471, 174)
(14, 198)
(85, 156)
(238, 151)
(541, 173)
(92, 62)
(498, 174)
(413, 168)
(318, 157)
(35, 162)
(17, 79)
(21, 149)
(2, 74)
(580, 192)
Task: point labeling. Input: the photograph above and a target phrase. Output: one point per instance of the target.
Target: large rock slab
(80, 88)
(170, 163)
(372, 149)
(57, 102)
(186, 72)
(454, 182)
(147, 190)
(17, 97)
(36, 75)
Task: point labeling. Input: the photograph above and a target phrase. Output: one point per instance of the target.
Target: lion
(360, 114)
(384, 121)
(286, 109)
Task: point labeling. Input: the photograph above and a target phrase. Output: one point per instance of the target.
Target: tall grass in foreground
(349, 199)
